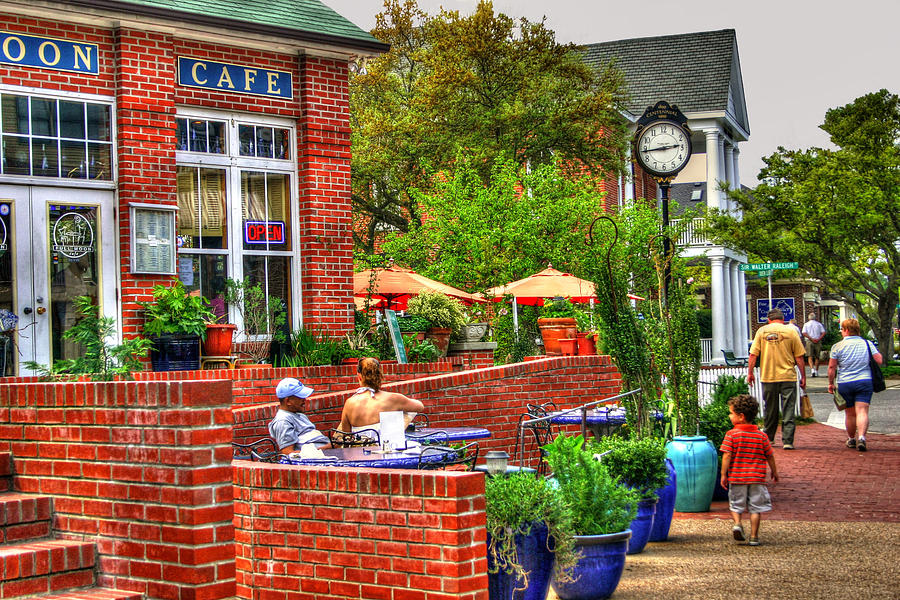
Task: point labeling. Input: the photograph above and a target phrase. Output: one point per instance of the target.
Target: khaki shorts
(754, 496)
(813, 349)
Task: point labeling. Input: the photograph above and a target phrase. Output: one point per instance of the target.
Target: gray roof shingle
(283, 16)
(695, 71)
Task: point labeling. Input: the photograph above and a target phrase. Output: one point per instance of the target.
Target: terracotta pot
(567, 346)
(586, 345)
(219, 338)
(441, 338)
(552, 330)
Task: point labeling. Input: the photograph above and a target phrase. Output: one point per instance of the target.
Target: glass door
(55, 256)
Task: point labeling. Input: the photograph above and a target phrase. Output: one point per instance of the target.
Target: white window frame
(233, 164)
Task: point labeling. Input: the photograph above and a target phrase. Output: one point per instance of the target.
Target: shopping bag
(839, 401)
(806, 409)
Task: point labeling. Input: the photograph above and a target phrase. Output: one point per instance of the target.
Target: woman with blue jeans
(850, 359)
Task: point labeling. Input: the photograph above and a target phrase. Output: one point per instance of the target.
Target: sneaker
(861, 445)
(754, 541)
(738, 532)
(851, 443)
(814, 373)
(788, 446)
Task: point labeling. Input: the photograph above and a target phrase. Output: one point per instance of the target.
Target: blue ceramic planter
(662, 519)
(535, 558)
(641, 526)
(597, 573)
(696, 463)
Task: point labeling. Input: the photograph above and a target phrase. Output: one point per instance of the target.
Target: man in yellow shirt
(778, 348)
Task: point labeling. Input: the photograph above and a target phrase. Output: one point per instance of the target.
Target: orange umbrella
(396, 286)
(549, 283)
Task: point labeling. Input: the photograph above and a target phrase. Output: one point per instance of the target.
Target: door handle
(41, 310)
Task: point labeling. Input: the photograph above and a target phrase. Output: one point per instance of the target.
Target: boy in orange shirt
(746, 451)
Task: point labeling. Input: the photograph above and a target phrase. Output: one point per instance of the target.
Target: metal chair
(464, 455)
(419, 421)
(261, 450)
(732, 361)
(347, 439)
(432, 438)
(542, 433)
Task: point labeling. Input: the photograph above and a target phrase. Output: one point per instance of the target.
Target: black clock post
(662, 148)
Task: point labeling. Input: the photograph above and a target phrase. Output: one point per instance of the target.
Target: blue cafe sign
(48, 53)
(226, 77)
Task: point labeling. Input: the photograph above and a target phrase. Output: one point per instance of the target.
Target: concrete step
(96, 593)
(44, 567)
(24, 517)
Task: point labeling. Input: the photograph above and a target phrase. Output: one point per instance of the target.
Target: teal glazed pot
(696, 463)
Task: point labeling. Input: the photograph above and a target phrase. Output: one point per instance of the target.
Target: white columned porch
(717, 289)
(735, 168)
(713, 165)
(729, 174)
(738, 301)
(727, 295)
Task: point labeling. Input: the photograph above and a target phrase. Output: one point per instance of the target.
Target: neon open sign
(264, 232)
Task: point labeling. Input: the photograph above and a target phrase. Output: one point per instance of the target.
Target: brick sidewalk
(824, 481)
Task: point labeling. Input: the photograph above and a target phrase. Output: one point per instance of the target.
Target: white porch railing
(690, 237)
(705, 351)
(711, 375)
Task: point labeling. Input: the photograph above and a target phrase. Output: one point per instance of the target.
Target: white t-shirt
(814, 329)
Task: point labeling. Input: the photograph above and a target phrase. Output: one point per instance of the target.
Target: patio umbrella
(549, 283)
(396, 286)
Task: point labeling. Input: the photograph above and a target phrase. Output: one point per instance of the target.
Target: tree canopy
(485, 83)
(834, 211)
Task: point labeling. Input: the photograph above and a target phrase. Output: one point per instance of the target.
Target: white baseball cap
(292, 387)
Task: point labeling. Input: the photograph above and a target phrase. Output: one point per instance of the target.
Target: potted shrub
(420, 351)
(259, 315)
(602, 507)
(476, 325)
(586, 335)
(530, 534)
(414, 324)
(445, 314)
(175, 321)
(641, 465)
(557, 321)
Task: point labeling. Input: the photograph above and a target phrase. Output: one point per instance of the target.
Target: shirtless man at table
(362, 409)
(291, 428)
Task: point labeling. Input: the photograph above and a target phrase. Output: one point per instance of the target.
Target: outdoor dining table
(363, 456)
(427, 435)
(601, 421)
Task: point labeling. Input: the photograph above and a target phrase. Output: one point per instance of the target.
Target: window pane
(16, 158)
(283, 144)
(278, 205)
(217, 137)
(212, 209)
(188, 215)
(246, 137)
(71, 120)
(181, 134)
(273, 272)
(198, 136)
(15, 114)
(207, 278)
(43, 117)
(44, 158)
(98, 122)
(264, 142)
(99, 161)
(73, 159)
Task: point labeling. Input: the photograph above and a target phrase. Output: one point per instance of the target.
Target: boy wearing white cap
(291, 428)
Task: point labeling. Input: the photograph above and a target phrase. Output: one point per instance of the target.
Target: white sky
(798, 57)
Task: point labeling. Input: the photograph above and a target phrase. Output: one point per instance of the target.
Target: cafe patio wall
(142, 469)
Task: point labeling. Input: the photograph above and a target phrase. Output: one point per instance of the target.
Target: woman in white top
(362, 409)
(850, 360)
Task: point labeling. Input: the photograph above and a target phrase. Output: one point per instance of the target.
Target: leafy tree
(836, 212)
(481, 235)
(487, 83)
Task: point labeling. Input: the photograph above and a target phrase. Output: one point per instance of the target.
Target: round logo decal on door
(73, 236)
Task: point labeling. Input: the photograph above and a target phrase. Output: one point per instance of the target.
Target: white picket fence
(709, 375)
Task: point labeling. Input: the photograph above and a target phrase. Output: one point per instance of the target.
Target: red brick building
(149, 140)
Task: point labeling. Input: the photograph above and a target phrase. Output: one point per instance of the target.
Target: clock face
(663, 147)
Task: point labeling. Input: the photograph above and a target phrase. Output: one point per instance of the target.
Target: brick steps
(34, 565)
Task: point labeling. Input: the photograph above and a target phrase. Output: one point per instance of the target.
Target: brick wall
(492, 397)
(325, 533)
(142, 469)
